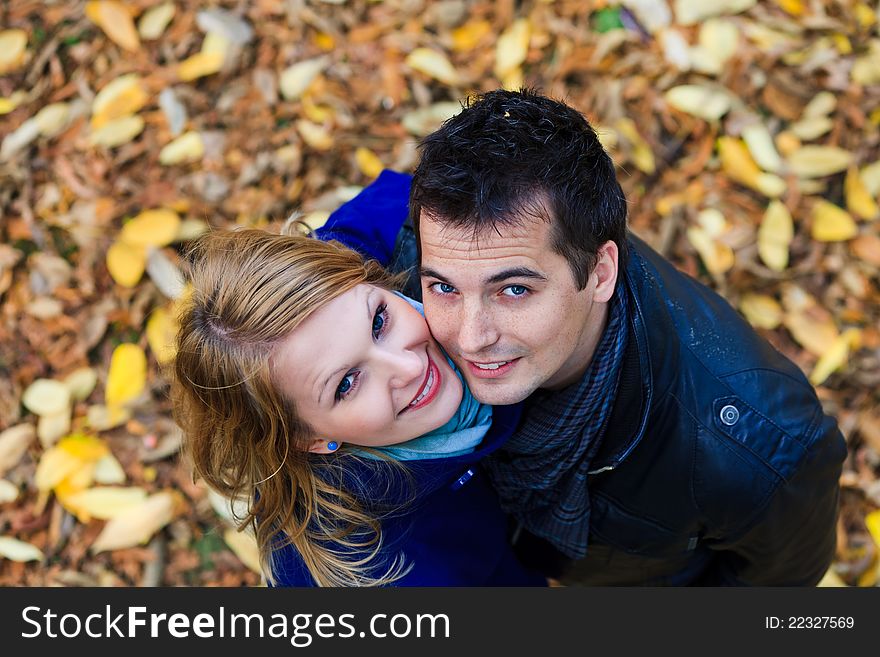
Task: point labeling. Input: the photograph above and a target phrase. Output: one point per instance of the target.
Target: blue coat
(718, 465)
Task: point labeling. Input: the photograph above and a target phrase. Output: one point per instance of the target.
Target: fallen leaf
(708, 103)
(53, 119)
(822, 104)
(13, 44)
(108, 470)
(642, 155)
(296, 79)
(835, 357)
(189, 147)
(434, 64)
(811, 128)
(119, 98)
(8, 105)
(116, 22)
(51, 427)
(126, 263)
(867, 247)
(858, 200)
(690, 12)
(16, 550)
(14, 443)
(818, 161)
(815, 335)
(154, 20)
(315, 135)
(46, 397)
(127, 377)
(368, 162)
(775, 235)
(137, 524)
(81, 383)
(156, 227)
(760, 145)
(162, 334)
(8, 492)
(200, 65)
(761, 310)
(512, 47)
(872, 522)
(102, 418)
(70, 462)
(165, 274)
(466, 37)
(870, 176)
(716, 256)
(117, 132)
(245, 548)
(423, 121)
(738, 164)
(103, 502)
(831, 223)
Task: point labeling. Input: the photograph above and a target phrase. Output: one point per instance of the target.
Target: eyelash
(381, 312)
(434, 289)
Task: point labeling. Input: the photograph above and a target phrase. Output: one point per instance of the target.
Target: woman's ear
(323, 446)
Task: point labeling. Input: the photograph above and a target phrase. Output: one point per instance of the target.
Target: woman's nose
(404, 367)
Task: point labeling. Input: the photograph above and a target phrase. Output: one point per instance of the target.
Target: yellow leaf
(720, 37)
(760, 145)
(835, 357)
(8, 492)
(12, 48)
(707, 103)
(128, 375)
(315, 135)
(46, 397)
(793, 7)
(822, 104)
(775, 235)
(84, 447)
(122, 96)
(151, 228)
(814, 335)
(738, 164)
(16, 550)
(324, 41)
(126, 263)
(189, 147)
(137, 524)
(831, 223)
(117, 132)
(116, 21)
(811, 128)
(7, 105)
(818, 161)
(858, 200)
(716, 256)
(102, 418)
(52, 119)
(870, 176)
(103, 502)
(200, 65)
(865, 15)
(831, 579)
(245, 548)
(642, 156)
(14, 443)
(108, 470)
(512, 47)
(872, 522)
(161, 334)
(466, 37)
(761, 311)
(55, 466)
(155, 19)
(51, 427)
(513, 80)
(713, 222)
(368, 162)
(81, 382)
(316, 113)
(425, 120)
(296, 79)
(434, 64)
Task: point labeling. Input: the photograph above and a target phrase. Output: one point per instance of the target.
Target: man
(662, 440)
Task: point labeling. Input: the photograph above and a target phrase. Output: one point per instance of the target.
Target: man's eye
(443, 288)
(379, 320)
(345, 385)
(515, 290)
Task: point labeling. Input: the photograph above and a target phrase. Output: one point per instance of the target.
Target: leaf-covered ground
(746, 135)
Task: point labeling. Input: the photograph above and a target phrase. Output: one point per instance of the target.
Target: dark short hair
(511, 155)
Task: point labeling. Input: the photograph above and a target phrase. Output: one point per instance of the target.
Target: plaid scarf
(541, 472)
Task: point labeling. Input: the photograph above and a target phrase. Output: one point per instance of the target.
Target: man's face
(506, 307)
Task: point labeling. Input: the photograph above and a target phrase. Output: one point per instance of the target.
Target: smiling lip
(432, 375)
(484, 373)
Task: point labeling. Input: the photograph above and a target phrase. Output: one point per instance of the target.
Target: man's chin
(496, 393)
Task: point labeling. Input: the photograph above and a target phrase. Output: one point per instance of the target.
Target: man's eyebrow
(503, 275)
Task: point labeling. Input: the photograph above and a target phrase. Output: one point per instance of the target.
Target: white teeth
(491, 366)
(427, 389)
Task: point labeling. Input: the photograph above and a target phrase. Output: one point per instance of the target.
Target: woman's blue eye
(516, 290)
(345, 385)
(379, 320)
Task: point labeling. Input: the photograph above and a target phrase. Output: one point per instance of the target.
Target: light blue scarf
(460, 435)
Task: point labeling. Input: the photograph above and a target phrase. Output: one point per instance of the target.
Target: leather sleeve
(793, 541)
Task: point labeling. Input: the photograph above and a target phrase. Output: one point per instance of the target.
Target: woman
(306, 386)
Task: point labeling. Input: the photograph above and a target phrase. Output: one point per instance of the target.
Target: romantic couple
(566, 404)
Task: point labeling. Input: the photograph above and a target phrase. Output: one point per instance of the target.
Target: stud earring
(332, 445)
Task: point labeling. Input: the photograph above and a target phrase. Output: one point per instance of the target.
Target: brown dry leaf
(867, 247)
(154, 20)
(738, 164)
(245, 548)
(121, 97)
(46, 397)
(704, 102)
(156, 227)
(858, 200)
(13, 45)
(127, 377)
(189, 147)
(368, 162)
(126, 263)
(117, 132)
(818, 161)
(512, 47)
(761, 311)
(14, 443)
(434, 64)
(775, 235)
(831, 223)
(835, 357)
(137, 524)
(116, 22)
(296, 79)
(16, 550)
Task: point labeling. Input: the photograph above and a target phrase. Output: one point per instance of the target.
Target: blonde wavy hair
(250, 289)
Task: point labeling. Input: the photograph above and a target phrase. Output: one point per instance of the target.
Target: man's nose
(476, 329)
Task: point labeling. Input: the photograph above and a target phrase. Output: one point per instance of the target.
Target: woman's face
(363, 369)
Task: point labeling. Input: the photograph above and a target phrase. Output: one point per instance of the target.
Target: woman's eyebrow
(347, 367)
